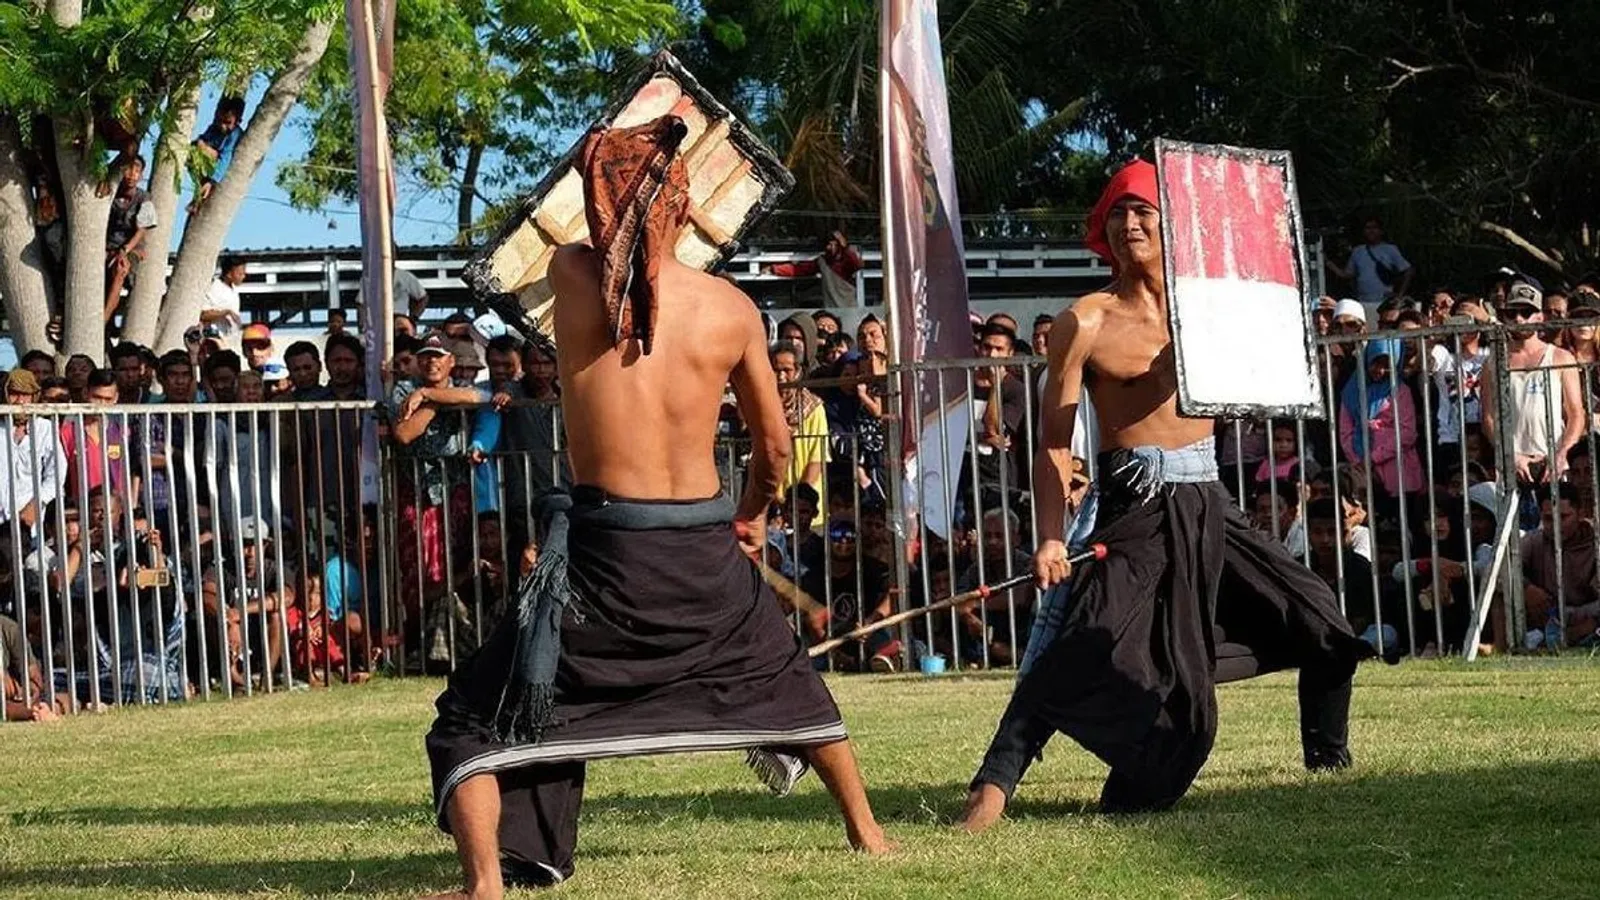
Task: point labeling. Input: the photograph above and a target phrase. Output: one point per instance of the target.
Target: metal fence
(161, 552)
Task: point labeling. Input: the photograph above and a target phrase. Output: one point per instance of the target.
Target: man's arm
(756, 389)
(1058, 412)
(1487, 395)
(1575, 417)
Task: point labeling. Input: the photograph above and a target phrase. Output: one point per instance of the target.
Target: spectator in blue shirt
(217, 144)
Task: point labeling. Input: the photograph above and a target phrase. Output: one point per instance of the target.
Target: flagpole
(385, 225)
(899, 521)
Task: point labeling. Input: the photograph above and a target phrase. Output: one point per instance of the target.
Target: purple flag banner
(926, 287)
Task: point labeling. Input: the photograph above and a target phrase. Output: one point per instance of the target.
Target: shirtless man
(640, 669)
(1187, 584)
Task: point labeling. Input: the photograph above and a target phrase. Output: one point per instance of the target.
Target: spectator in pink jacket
(1367, 430)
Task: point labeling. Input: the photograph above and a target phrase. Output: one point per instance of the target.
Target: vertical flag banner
(926, 287)
(370, 27)
(1234, 254)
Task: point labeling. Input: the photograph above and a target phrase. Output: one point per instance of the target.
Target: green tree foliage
(1471, 126)
(806, 73)
(83, 82)
(486, 94)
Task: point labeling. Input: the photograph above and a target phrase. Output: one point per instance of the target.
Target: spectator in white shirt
(221, 311)
(31, 453)
(1376, 268)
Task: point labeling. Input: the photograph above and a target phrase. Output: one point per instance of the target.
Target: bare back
(644, 426)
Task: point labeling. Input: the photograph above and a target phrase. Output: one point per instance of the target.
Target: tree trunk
(208, 228)
(469, 192)
(22, 267)
(166, 189)
(83, 306)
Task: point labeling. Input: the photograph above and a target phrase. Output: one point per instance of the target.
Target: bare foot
(467, 895)
(984, 808)
(872, 842)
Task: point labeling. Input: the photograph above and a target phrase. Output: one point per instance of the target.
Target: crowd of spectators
(1395, 500)
(148, 556)
(151, 552)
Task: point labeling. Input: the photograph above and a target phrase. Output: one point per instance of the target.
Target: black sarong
(1190, 594)
(671, 643)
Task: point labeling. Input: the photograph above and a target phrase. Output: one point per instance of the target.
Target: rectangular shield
(734, 182)
(1234, 253)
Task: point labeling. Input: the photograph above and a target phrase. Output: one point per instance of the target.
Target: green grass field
(1476, 781)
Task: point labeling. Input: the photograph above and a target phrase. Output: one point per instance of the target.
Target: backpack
(1386, 274)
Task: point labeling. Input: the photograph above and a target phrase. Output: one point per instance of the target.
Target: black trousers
(1189, 596)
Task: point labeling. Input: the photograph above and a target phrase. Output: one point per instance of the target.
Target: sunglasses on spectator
(1519, 312)
(842, 534)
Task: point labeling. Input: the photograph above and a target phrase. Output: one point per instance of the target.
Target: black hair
(349, 342)
(1043, 319)
(173, 358)
(781, 347)
(1322, 508)
(222, 359)
(405, 343)
(804, 491)
(32, 355)
(996, 329)
(83, 356)
(125, 350)
(1563, 490)
(230, 261)
(102, 378)
(301, 348)
(824, 314)
(505, 343)
(1288, 492)
(231, 103)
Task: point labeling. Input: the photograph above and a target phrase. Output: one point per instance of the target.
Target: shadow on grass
(1468, 832)
(249, 814)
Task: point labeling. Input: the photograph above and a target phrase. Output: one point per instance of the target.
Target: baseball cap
(1524, 294)
(274, 370)
(1582, 302)
(22, 381)
(433, 345)
(250, 528)
(1351, 309)
(468, 355)
(256, 332)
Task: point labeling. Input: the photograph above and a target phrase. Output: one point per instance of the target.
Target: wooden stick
(982, 592)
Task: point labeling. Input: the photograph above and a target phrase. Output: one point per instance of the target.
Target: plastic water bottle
(1552, 632)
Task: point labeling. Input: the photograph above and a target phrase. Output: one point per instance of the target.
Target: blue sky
(266, 220)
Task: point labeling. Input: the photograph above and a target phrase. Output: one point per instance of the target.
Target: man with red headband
(643, 628)
(1190, 594)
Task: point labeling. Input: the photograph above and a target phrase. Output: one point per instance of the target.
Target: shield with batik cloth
(734, 182)
(1237, 301)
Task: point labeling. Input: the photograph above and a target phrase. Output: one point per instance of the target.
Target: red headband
(1136, 179)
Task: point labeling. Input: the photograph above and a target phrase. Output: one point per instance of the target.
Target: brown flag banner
(370, 26)
(924, 261)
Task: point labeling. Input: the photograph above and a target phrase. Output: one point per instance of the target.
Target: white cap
(251, 527)
(487, 327)
(1350, 309)
(1486, 495)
